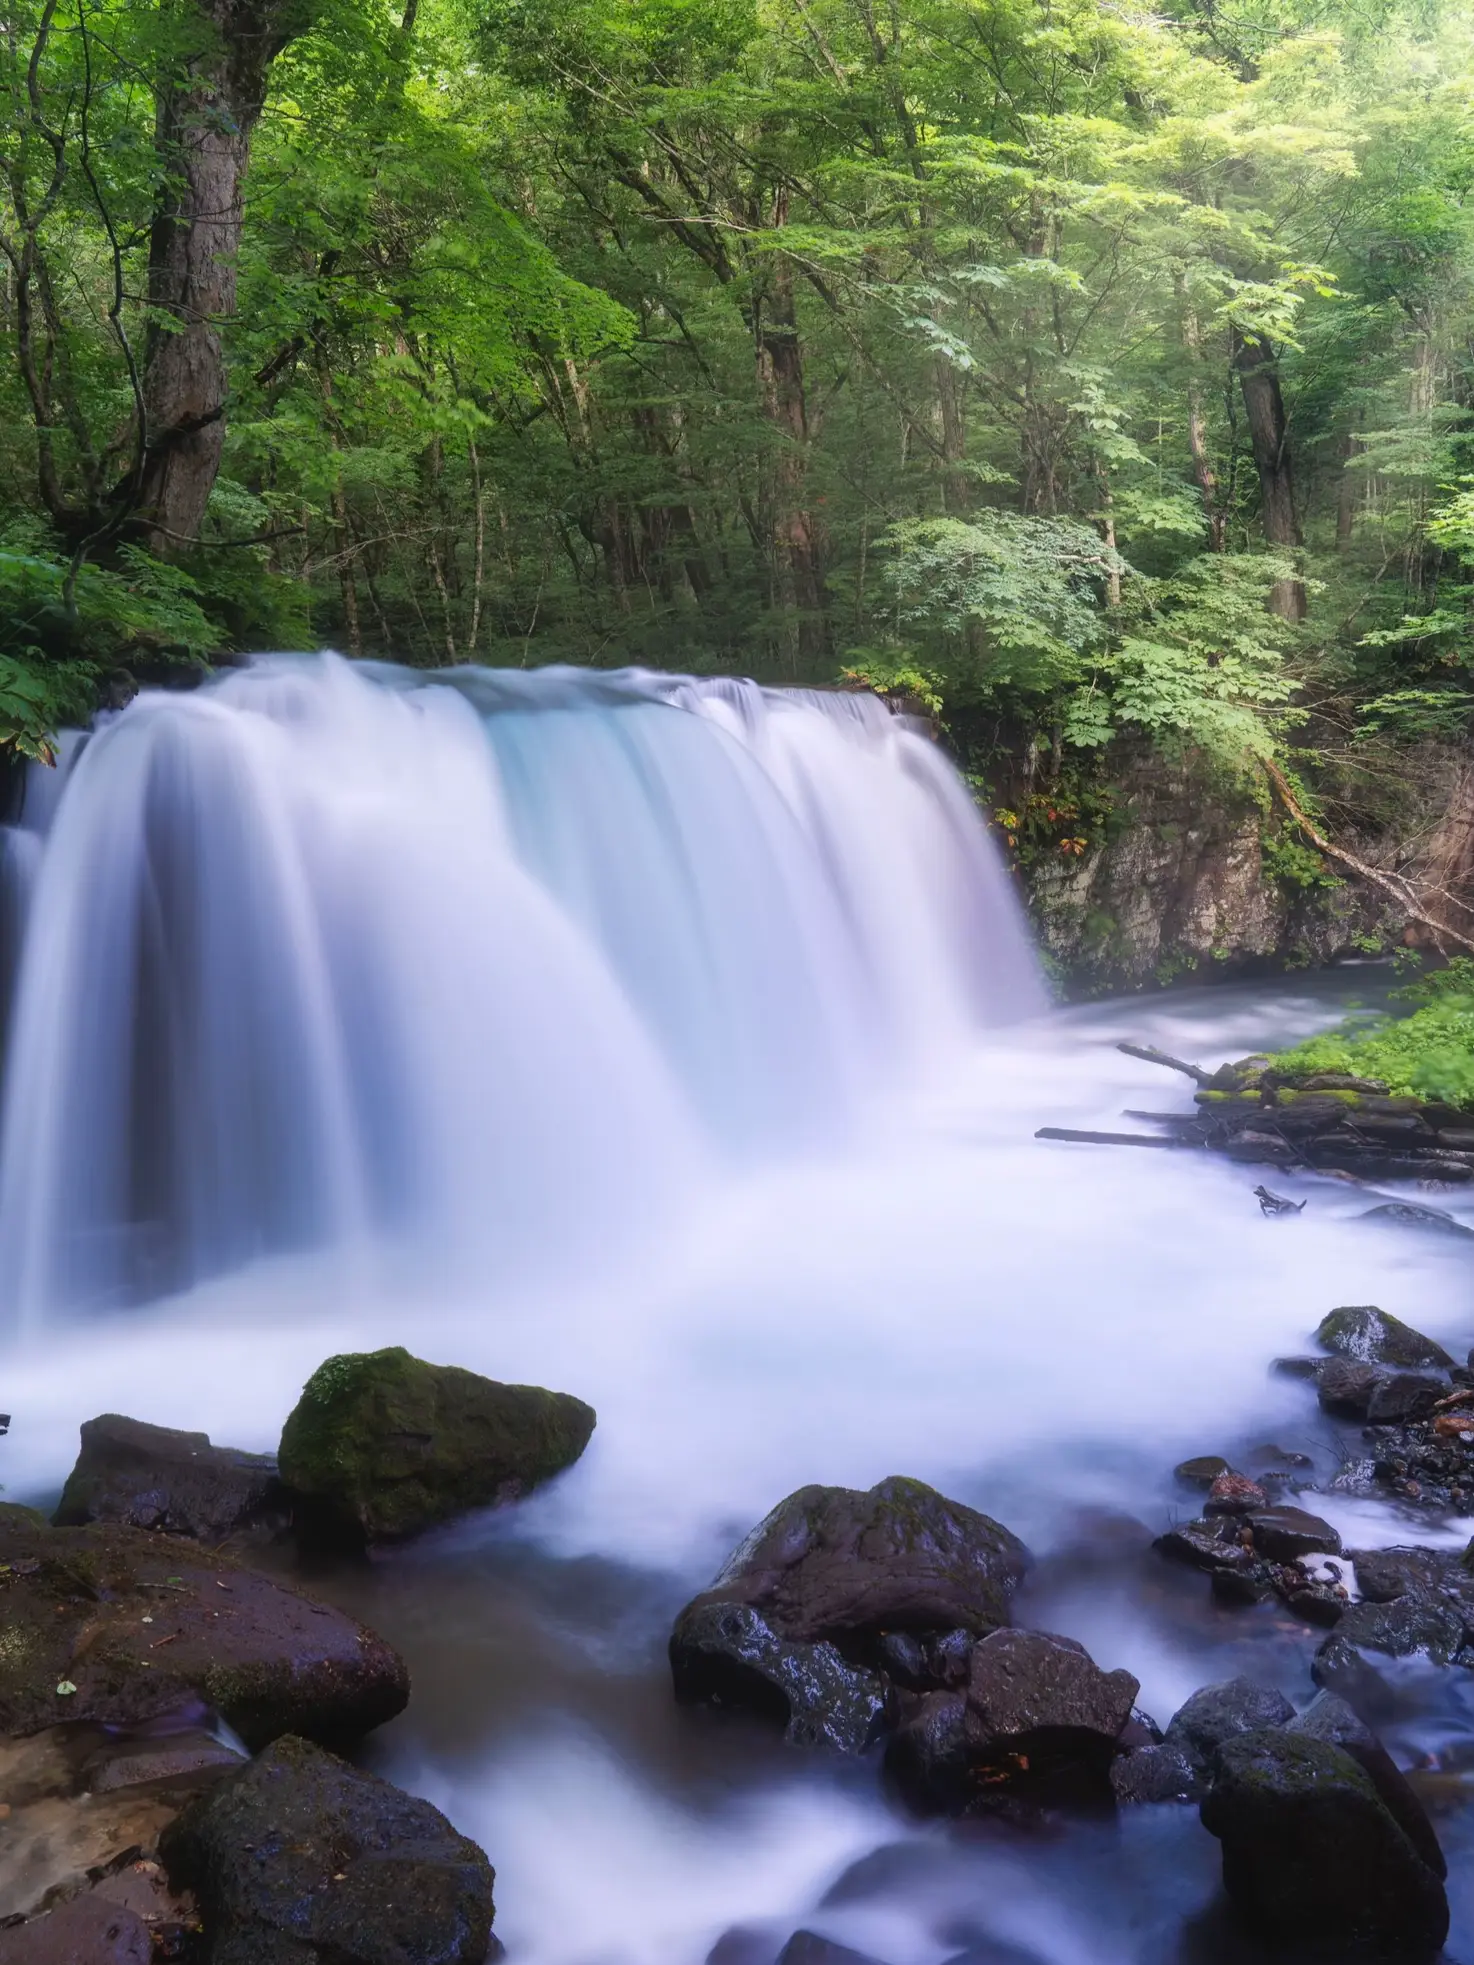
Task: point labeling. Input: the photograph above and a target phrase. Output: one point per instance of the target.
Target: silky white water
(651, 1040)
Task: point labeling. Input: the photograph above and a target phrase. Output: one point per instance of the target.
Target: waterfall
(332, 956)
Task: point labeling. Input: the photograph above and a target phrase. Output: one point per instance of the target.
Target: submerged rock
(153, 1477)
(382, 1445)
(1373, 1336)
(726, 1654)
(111, 1624)
(836, 1562)
(302, 1860)
(1312, 1856)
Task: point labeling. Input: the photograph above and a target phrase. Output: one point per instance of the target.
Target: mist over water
(676, 1044)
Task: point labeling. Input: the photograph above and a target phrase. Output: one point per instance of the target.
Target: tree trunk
(798, 538)
(1264, 406)
(1197, 425)
(207, 110)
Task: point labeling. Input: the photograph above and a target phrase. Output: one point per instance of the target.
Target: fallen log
(1110, 1139)
(1149, 1054)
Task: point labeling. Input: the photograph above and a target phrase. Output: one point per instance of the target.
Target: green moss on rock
(381, 1445)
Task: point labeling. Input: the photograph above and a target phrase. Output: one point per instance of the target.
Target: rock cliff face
(1195, 879)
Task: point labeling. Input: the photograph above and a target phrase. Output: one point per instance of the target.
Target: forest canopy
(1084, 372)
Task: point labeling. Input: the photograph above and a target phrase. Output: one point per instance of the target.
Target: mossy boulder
(119, 1626)
(302, 1860)
(381, 1445)
(1313, 1859)
(1373, 1337)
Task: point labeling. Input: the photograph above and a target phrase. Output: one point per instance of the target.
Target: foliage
(1429, 1054)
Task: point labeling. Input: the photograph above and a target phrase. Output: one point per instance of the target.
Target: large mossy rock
(115, 1625)
(1374, 1337)
(1313, 1859)
(302, 1860)
(382, 1445)
(154, 1477)
(835, 1562)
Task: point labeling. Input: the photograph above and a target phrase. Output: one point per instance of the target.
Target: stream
(736, 1142)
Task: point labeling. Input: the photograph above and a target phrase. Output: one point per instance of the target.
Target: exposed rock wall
(1193, 878)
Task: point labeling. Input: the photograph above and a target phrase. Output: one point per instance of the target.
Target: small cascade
(478, 964)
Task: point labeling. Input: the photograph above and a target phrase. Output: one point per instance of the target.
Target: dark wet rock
(1330, 1719)
(1044, 1698)
(1312, 1856)
(1409, 1627)
(1383, 1575)
(727, 1654)
(1319, 1592)
(745, 1944)
(89, 1930)
(1201, 1471)
(809, 1948)
(925, 1664)
(1346, 1387)
(929, 1759)
(1140, 1730)
(1408, 1214)
(1216, 1713)
(1402, 1396)
(1211, 1545)
(114, 1625)
(301, 1859)
(994, 1951)
(1154, 1774)
(1234, 1494)
(1283, 1534)
(1298, 1367)
(1375, 1337)
(835, 1562)
(381, 1445)
(156, 1478)
(1283, 1459)
(1243, 1587)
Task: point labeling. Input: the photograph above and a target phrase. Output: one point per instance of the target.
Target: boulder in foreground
(302, 1860)
(382, 1445)
(1313, 1859)
(153, 1477)
(115, 1625)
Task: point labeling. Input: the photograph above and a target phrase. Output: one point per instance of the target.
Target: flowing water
(676, 1044)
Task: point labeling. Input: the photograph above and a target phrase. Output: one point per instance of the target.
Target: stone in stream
(1312, 1856)
(1375, 1337)
(1039, 1718)
(1154, 1774)
(1216, 1713)
(1404, 1395)
(381, 1445)
(727, 1654)
(1201, 1471)
(118, 1626)
(809, 1948)
(1332, 1720)
(88, 1930)
(1346, 1387)
(1284, 1534)
(1234, 1494)
(153, 1477)
(300, 1859)
(839, 1563)
(1408, 1214)
(1383, 1575)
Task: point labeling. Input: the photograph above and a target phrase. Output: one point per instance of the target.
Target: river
(830, 1256)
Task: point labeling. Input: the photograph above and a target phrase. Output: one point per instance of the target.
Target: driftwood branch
(1400, 890)
(1110, 1139)
(1151, 1055)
